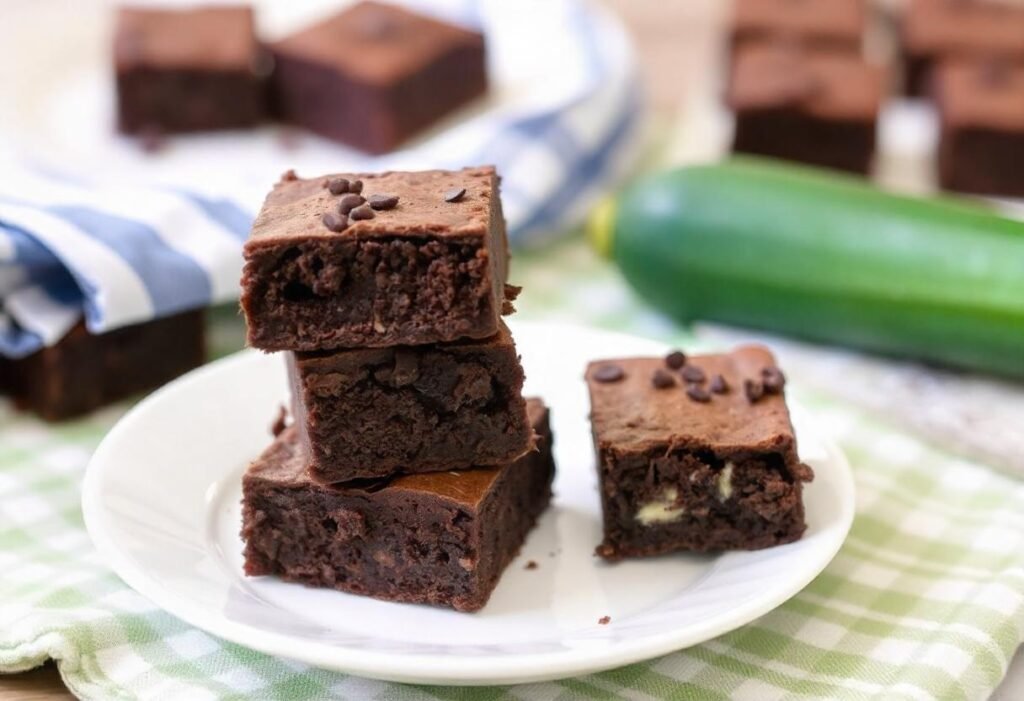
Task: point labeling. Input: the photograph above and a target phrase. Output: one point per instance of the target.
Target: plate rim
(431, 668)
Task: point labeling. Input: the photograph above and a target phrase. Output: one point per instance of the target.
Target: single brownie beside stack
(412, 471)
(376, 74)
(819, 108)
(937, 30)
(188, 69)
(981, 114)
(695, 454)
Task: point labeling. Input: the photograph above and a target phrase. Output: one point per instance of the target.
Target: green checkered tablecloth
(924, 601)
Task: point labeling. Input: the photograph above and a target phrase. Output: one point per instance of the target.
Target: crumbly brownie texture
(703, 461)
(812, 107)
(981, 108)
(187, 70)
(368, 413)
(441, 538)
(83, 372)
(375, 74)
(821, 24)
(937, 30)
(429, 268)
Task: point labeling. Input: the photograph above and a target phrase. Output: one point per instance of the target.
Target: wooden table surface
(675, 41)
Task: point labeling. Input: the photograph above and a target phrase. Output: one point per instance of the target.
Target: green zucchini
(824, 257)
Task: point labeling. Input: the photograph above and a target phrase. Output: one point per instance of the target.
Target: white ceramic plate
(161, 501)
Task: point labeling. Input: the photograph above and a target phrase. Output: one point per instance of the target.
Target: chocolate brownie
(375, 74)
(326, 269)
(83, 371)
(188, 69)
(370, 412)
(441, 538)
(695, 454)
(981, 108)
(818, 108)
(820, 24)
(936, 30)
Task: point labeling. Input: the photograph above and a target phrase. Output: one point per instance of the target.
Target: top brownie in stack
(377, 260)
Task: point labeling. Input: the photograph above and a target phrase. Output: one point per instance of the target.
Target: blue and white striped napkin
(118, 246)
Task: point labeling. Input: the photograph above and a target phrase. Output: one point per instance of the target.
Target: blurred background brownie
(370, 412)
(83, 371)
(934, 30)
(180, 70)
(375, 260)
(442, 538)
(820, 24)
(374, 75)
(819, 108)
(981, 112)
(695, 455)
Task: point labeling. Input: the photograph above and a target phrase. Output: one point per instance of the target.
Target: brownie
(375, 74)
(936, 30)
(698, 456)
(441, 538)
(429, 269)
(837, 25)
(370, 412)
(180, 70)
(83, 371)
(819, 108)
(981, 111)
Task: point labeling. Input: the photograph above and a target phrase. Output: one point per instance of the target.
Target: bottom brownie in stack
(441, 538)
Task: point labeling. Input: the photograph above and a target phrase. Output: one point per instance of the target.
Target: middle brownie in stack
(387, 290)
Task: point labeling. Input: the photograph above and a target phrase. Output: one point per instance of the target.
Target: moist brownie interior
(425, 271)
(368, 413)
(440, 538)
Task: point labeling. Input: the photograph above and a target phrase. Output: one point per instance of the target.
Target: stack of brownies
(414, 467)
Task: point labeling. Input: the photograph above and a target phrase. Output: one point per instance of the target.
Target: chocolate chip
(382, 202)
(698, 394)
(288, 176)
(335, 222)
(753, 389)
(455, 194)
(718, 385)
(338, 186)
(349, 202)
(676, 359)
(773, 380)
(662, 379)
(608, 373)
(361, 212)
(532, 565)
(692, 373)
(355, 187)
(604, 620)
